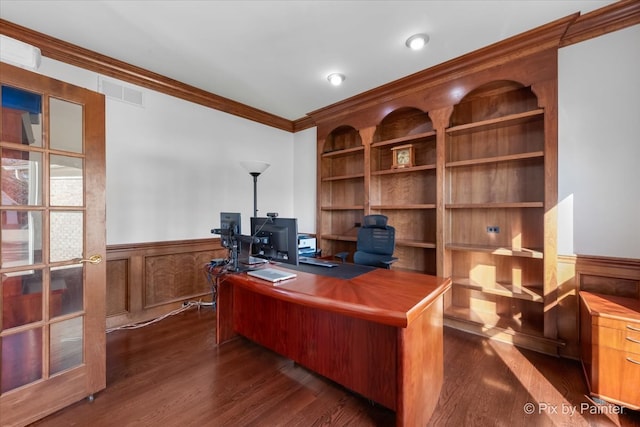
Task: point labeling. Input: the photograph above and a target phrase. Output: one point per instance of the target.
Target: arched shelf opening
(343, 138)
(406, 121)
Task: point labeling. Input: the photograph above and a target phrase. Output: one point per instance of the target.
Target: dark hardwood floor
(172, 374)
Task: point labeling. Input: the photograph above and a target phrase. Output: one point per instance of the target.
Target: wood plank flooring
(172, 374)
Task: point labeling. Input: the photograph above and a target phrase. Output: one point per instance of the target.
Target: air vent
(115, 90)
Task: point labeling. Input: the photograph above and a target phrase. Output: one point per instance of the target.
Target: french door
(52, 299)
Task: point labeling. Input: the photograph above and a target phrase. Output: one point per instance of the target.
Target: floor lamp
(255, 169)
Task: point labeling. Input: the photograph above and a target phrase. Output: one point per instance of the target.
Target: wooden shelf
(496, 159)
(403, 207)
(501, 329)
(508, 120)
(342, 208)
(404, 170)
(345, 152)
(496, 250)
(343, 177)
(404, 139)
(506, 205)
(527, 293)
(415, 244)
(340, 238)
(490, 320)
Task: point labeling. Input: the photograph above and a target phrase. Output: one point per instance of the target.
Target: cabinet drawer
(626, 339)
(622, 324)
(616, 375)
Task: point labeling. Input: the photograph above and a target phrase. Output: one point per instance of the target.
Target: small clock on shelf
(402, 156)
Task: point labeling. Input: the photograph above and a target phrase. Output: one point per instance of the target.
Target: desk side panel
(421, 370)
(224, 312)
(355, 353)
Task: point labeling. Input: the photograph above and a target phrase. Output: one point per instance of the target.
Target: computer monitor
(277, 239)
(230, 226)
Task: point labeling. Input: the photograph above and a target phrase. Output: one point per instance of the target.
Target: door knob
(93, 259)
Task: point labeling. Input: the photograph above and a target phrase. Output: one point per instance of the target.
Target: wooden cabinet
(610, 347)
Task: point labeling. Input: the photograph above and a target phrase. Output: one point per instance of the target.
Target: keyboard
(317, 261)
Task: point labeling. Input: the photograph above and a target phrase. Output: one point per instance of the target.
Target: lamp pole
(255, 169)
(255, 192)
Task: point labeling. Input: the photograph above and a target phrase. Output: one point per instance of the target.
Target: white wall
(172, 166)
(304, 172)
(599, 146)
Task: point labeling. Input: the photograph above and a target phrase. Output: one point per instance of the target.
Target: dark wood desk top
(388, 297)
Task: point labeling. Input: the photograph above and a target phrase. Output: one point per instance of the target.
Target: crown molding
(537, 40)
(563, 32)
(71, 54)
(614, 17)
(303, 123)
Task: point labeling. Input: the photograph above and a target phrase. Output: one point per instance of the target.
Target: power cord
(186, 306)
(213, 271)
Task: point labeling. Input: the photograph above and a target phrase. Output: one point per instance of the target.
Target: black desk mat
(342, 271)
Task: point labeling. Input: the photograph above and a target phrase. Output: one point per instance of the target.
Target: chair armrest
(342, 256)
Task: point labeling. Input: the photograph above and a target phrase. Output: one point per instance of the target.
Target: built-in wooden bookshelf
(341, 195)
(476, 202)
(407, 196)
(494, 210)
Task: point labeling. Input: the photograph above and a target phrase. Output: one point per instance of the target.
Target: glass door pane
(66, 182)
(21, 116)
(21, 177)
(21, 359)
(66, 125)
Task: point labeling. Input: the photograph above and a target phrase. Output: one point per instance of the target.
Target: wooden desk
(378, 334)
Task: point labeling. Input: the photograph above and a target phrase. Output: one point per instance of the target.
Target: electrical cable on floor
(213, 272)
(185, 307)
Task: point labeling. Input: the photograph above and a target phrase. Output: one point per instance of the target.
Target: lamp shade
(254, 166)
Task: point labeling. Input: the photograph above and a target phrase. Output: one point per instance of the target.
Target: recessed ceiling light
(336, 79)
(417, 41)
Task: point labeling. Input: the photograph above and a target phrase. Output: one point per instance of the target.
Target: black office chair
(376, 243)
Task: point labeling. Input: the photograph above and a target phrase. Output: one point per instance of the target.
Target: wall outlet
(493, 229)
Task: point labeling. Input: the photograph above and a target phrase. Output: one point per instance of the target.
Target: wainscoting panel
(117, 287)
(148, 280)
(169, 278)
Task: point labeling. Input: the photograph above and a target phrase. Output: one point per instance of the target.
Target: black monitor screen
(229, 227)
(277, 239)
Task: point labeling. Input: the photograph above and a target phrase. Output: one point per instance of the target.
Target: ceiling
(275, 55)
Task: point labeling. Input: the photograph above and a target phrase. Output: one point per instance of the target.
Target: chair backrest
(375, 236)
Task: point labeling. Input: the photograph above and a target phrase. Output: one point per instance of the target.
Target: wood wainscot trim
(148, 280)
(608, 276)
